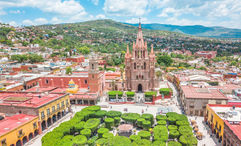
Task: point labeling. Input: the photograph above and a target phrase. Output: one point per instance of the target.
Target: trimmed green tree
(101, 131)
(86, 132)
(144, 134)
(109, 123)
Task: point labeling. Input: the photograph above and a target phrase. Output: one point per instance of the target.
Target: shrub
(186, 140)
(185, 130)
(144, 134)
(79, 126)
(102, 142)
(143, 142)
(112, 114)
(161, 117)
(79, 140)
(91, 141)
(101, 131)
(92, 124)
(86, 132)
(120, 141)
(109, 123)
(173, 143)
(165, 91)
(161, 122)
(117, 121)
(130, 94)
(148, 117)
(93, 108)
(112, 94)
(140, 121)
(173, 134)
(159, 143)
(171, 120)
(160, 133)
(181, 117)
(171, 114)
(172, 127)
(150, 94)
(182, 123)
(146, 125)
(100, 114)
(135, 138)
(108, 135)
(130, 117)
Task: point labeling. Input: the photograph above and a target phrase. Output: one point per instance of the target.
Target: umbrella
(193, 122)
(196, 129)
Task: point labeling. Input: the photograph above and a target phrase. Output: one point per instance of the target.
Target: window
(144, 65)
(93, 76)
(142, 77)
(47, 81)
(62, 104)
(58, 106)
(48, 111)
(92, 66)
(137, 77)
(20, 132)
(3, 142)
(218, 102)
(134, 65)
(85, 81)
(34, 125)
(53, 108)
(42, 114)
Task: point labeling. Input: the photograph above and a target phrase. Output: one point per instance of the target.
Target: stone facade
(140, 66)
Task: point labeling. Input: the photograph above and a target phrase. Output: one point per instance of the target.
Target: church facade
(140, 66)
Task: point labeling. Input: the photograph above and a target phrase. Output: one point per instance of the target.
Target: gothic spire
(139, 40)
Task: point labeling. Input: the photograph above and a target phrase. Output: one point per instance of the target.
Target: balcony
(43, 117)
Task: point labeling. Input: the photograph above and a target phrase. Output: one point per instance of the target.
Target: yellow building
(18, 129)
(47, 107)
(214, 118)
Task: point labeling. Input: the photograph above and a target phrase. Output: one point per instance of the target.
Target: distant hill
(197, 30)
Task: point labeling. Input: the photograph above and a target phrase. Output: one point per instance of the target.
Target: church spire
(139, 40)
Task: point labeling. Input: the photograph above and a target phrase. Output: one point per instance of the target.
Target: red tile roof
(236, 128)
(10, 123)
(32, 101)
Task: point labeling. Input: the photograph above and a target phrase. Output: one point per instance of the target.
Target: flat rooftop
(25, 99)
(202, 93)
(10, 123)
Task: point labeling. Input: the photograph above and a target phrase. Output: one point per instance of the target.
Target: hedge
(173, 143)
(120, 141)
(93, 108)
(174, 134)
(130, 117)
(159, 143)
(186, 140)
(100, 114)
(140, 121)
(171, 114)
(165, 91)
(172, 127)
(101, 131)
(112, 114)
(130, 94)
(86, 132)
(117, 121)
(92, 140)
(161, 122)
(171, 120)
(150, 94)
(187, 130)
(107, 135)
(143, 142)
(146, 125)
(182, 123)
(109, 123)
(181, 117)
(92, 124)
(79, 140)
(144, 134)
(102, 142)
(160, 133)
(148, 117)
(114, 93)
(161, 117)
(135, 138)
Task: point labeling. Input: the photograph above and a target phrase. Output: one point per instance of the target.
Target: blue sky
(226, 13)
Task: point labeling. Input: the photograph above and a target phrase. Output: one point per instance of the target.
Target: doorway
(139, 88)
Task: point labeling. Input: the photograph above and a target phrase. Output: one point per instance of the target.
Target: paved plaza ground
(172, 104)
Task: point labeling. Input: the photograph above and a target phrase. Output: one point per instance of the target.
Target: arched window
(143, 54)
(142, 77)
(144, 65)
(134, 65)
(92, 66)
(47, 81)
(137, 77)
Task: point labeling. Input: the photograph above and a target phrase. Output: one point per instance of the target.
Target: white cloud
(100, 16)
(95, 2)
(13, 23)
(136, 20)
(126, 7)
(55, 20)
(40, 21)
(27, 22)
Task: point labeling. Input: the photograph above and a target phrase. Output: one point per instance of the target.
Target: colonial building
(140, 66)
